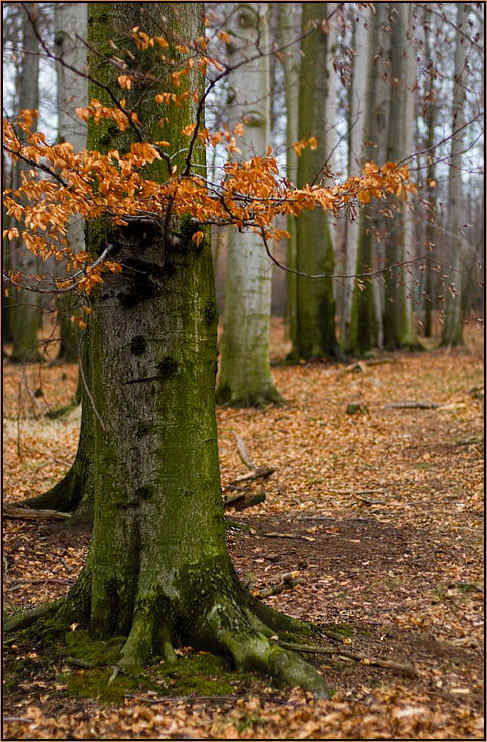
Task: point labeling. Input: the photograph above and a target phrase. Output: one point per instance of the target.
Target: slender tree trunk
(453, 326)
(315, 317)
(26, 310)
(287, 16)
(360, 331)
(245, 375)
(158, 570)
(72, 93)
(399, 330)
(431, 182)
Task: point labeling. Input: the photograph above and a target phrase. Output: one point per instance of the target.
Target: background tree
(25, 314)
(72, 92)
(453, 325)
(359, 327)
(245, 375)
(315, 315)
(288, 22)
(399, 330)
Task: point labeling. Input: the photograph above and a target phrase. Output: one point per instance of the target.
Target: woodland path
(382, 516)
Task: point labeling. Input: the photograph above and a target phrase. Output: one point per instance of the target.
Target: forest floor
(376, 516)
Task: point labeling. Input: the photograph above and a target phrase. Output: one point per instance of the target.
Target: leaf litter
(385, 508)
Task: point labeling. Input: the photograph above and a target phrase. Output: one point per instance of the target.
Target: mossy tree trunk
(25, 307)
(315, 317)
(158, 570)
(245, 375)
(72, 93)
(360, 327)
(453, 325)
(399, 328)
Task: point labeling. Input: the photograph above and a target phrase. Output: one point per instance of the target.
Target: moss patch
(95, 652)
(196, 674)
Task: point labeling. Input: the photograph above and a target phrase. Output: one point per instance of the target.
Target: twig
(412, 406)
(276, 534)
(21, 719)
(243, 453)
(367, 501)
(315, 649)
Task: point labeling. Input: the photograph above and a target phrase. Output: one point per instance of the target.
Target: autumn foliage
(251, 194)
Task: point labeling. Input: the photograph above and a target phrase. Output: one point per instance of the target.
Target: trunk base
(232, 624)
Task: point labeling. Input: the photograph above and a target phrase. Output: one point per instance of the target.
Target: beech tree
(245, 374)
(290, 61)
(360, 327)
(158, 570)
(72, 92)
(398, 322)
(315, 305)
(452, 333)
(25, 310)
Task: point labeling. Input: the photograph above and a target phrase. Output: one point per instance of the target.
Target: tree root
(24, 619)
(233, 623)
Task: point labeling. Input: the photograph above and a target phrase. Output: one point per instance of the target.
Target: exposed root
(24, 619)
(138, 647)
(255, 651)
(247, 639)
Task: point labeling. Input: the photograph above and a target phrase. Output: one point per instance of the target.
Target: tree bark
(315, 316)
(290, 64)
(453, 325)
(399, 329)
(25, 307)
(245, 376)
(72, 93)
(158, 570)
(360, 330)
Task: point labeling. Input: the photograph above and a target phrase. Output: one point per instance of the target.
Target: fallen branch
(363, 365)
(355, 492)
(256, 472)
(412, 406)
(287, 583)
(244, 454)
(13, 511)
(368, 501)
(375, 661)
(276, 534)
(243, 500)
(261, 473)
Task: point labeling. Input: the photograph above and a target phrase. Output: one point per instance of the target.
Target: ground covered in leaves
(372, 525)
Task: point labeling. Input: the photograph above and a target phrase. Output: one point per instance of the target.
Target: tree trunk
(399, 330)
(315, 317)
(360, 331)
(158, 570)
(75, 492)
(72, 92)
(26, 311)
(290, 64)
(245, 375)
(453, 326)
(431, 183)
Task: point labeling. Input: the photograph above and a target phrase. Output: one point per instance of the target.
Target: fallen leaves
(383, 537)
